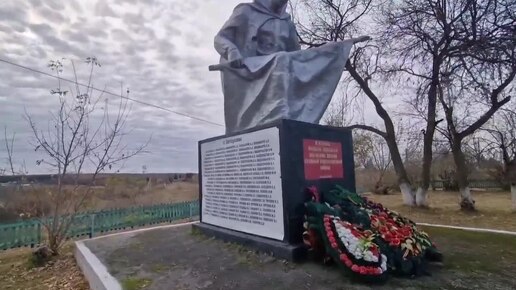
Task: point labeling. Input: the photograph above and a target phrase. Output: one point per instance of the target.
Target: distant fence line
(30, 233)
(483, 184)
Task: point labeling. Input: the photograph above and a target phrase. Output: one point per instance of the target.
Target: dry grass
(494, 210)
(171, 193)
(62, 273)
(126, 193)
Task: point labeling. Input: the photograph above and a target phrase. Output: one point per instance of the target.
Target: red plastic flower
(315, 193)
(395, 242)
(355, 268)
(384, 230)
(388, 237)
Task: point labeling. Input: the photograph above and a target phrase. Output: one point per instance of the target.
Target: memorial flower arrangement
(364, 238)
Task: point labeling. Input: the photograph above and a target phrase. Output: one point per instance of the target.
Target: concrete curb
(469, 229)
(95, 272)
(142, 230)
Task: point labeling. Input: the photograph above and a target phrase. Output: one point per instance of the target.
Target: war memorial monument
(279, 182)
(252, 179)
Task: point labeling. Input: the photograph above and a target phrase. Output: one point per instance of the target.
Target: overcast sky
(159, 49)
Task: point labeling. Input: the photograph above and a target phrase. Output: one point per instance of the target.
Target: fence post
(38, 229)
(190, 205)
(92, 226)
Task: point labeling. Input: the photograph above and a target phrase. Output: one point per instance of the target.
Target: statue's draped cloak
(278, 80)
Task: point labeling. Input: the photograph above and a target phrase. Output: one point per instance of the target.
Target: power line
(110, 93)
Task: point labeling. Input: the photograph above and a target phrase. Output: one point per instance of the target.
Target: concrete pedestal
(253, 183)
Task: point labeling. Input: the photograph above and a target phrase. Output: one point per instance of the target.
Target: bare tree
(443, 46)
(477, 78)
(381, 158)
(503, 141)
(437, 47)
(329, 20)
(339, 113)
(362, 148)
(476, 148)
(9, 147)
(417, 33)
(82, 136)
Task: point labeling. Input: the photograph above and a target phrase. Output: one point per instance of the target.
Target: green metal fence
(21, 234)
(29, 233)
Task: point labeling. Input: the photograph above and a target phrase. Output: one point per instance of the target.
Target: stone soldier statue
(265, 74)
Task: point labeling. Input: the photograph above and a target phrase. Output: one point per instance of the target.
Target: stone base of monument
(278, 249)
(253, 183)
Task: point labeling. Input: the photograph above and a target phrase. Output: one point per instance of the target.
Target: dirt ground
(493, 209)
(60, 274)
(178, 258)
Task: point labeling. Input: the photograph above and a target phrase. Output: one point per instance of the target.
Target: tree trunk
(409, 198)
(428, 140)
(466, 200)
(407, 194)
(421, 196)
(513, 195)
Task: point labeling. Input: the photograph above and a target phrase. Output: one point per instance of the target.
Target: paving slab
(183, 259)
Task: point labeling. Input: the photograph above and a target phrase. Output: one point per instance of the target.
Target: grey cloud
(98, 31)
(18, 27)
(194, 40)
(76, 36)
(169, 58)
(38, 53)
(14, 16)
(139, 50)
(130, 50)
(42, 30)
(172, 30)
(149, 33)
(102, 8)
(26, 82)
(35, 3)
(10, 12)
(6, 29)
(165, 46)
(54, 4)
(133, 19)
(75, 4)
(63, 47)
(120, 35)
(51, 15)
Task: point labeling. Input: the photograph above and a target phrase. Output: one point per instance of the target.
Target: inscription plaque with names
(241, 183)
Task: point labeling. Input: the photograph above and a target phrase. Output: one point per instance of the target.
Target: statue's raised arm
(265, 74)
